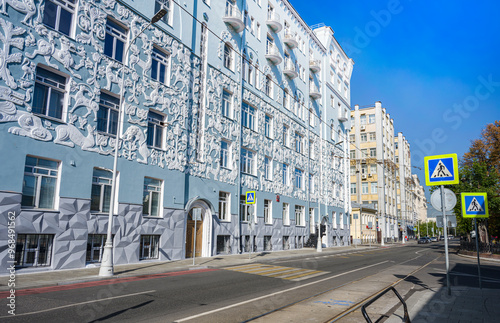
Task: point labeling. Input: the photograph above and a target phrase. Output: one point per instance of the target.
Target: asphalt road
(225, 295)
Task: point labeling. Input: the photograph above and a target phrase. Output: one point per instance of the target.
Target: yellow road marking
(305, 274)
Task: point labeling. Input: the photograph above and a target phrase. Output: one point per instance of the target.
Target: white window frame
(247, 161)
(268, 168)
(149, 247)
(300, 215)
(374, 187)
(40, 172)
(286, 213)
(299, 178)
(244, 209)
(155, 128)
(286, 174)
(167, 4)
(66, 5)
(224, 206)
(227, 104)
(103, 183)
(109, 107)
(286, 135)
(162, 59)
(269, 86)
(248, 113)
(228, 57)
(49, 85)
(353, 188)
(153, 189)
(95, 246)
(299, 143)
(25, 250)
(311, 183)
(268, 211)
(117, 35)
(268, 126)
(364, 188)
(225, 155)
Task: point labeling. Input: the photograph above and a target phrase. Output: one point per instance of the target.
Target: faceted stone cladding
(72, 224)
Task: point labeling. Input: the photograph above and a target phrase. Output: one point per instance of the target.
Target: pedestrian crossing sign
(441, 169)
(475, 205)
(250, 197)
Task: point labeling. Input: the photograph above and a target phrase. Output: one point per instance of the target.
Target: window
(312, 118)
(372, 137)
(227, 99)
(50, 92)
(248, 116)
(268, 212)
(373, 152)
(149, 247)
(371, 118)
(40, 183)
(101, 190)
(159, 65)
(167, 5)
(114, 42)
(155, 130)
(311, 183)
(247, 161)
(151, 197)
(299, 215)
(107, 116)
(353, 188)
(363, 137)
(58, 14)
(362, 119)
(228, 56)
(364, 188)
(311, 149)
(285, 174)
(224, 244)
(258, 31)
(268, 168)
(334, 219)
(267, 243)
(268, 126)
(286, 214)
(95, 247)
(286, 139)
(299, 143)
(244, 209)
(269, 86)
(298, 178)
(373, 169)
(224, 206)
(286, 242)
(374, 187)
(352, 154)
(364, 169)
(286, 99)
(33, 250)
(224, 154)
(364, 153)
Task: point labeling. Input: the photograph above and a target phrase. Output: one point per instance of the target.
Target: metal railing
(406, 317)
(232, 11)
(491, 248)
(273, 16)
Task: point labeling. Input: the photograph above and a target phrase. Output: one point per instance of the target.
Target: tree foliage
(480, 172)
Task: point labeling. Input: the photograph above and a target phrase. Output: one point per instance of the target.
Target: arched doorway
(198, 228)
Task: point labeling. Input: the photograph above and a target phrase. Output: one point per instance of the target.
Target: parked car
(434, 239)
(441, 238)
(423, 240)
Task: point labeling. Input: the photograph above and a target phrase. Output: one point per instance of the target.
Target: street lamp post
(106, 268)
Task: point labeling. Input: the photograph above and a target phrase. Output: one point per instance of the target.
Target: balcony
(343, 115)
(314, 92)
(233, 17)
(273, 21)
(273, 54)
(290, 39)
(314, 65)
(290, 70)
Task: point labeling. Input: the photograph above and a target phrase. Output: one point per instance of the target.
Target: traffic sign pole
(477, 248)
(445, 227)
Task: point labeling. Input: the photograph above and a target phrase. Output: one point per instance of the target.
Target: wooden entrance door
(195, 213)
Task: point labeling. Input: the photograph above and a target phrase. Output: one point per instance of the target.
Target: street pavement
(423, 291)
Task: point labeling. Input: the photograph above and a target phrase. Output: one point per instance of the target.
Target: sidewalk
(34, 279)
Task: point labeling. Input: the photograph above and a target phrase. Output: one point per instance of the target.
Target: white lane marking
(76, 304)
(274, 294)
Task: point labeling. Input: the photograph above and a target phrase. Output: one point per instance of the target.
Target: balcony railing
(290, 39)
(314, 65)
(233, 17)
(290, 69)
(273, 21)
(273, 54)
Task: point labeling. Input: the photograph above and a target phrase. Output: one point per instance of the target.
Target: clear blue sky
(434, 65)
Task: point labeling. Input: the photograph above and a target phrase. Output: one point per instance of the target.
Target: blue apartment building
(217, 99)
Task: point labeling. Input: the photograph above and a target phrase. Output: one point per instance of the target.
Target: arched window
(228, 56)
(269, 86)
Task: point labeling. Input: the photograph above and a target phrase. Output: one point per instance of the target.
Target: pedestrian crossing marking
(441, 171)
(474, 206)
(288, 273)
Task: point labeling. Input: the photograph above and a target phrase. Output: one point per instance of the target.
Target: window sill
(53, 119)
(226, 168)
(28, 208)
(151, 217)
(248, 174)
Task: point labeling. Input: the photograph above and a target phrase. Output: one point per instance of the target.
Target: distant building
(246, 98)
(380, 171)
(364, 223)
